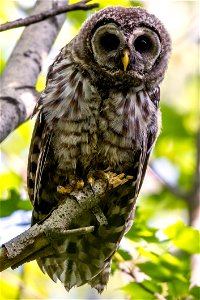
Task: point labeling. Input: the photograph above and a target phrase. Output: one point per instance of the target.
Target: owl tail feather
(100, 281)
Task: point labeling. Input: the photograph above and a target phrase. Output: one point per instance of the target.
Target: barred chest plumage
(89, 128)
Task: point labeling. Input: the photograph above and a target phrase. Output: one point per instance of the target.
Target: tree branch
(47, 14)
(17, 94)
(36, 241)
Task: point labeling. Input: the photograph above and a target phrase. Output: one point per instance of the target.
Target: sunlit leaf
(137, 291)
(178, 288)
(152, 286)
(19, 140)
(184, 237)
(156, 271)
(148, 254)
(195, 291)
(124, 254)
(8, 289)
(9, 181)
(13, 203)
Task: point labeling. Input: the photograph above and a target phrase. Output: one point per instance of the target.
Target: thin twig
(47, 14)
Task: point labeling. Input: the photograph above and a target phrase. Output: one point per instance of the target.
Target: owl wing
(37, 155)
(145, 154)
(149, 142)
(40, 182)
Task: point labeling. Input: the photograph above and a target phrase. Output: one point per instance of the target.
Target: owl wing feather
(147, 148)
(34, 154)
(37, 162)
(149, 141)
(46, 139)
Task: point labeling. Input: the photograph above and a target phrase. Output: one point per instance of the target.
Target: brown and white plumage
(97, 113)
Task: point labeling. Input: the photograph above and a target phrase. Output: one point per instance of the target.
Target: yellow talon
(64, 189)
(113, 180)
(91, 180)
(116, 180)
(93, 175)
(78, 185)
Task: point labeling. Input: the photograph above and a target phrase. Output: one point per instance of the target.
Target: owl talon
(118, 179)
(95, 175)
(64, 189)
(113, 180)
(77, 185)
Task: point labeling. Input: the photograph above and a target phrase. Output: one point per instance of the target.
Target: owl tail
(100, 281)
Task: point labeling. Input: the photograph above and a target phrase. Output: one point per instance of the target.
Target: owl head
(125, 45)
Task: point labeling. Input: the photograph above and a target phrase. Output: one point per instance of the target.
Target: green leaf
(140, 230)
(104, 3)
(138, 291)
(156, 271)
(125, 254)
(184, 237)
(13, 203)
(9, 180)
(178, 288)
(153, 257)
(195, 291)
(152, 286)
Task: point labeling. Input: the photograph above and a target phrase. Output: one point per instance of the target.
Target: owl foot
(113, 180)
(117, 179)
(95, 175)
(74, 185)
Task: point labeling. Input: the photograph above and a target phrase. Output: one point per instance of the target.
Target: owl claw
(94, 175)
(118, 179)
(113, 180)
(77, 185)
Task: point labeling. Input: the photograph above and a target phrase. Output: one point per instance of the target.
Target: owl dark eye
(109, 41)
(143, 44)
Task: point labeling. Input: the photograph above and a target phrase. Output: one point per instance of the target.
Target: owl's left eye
(143, 43)
(109, 41)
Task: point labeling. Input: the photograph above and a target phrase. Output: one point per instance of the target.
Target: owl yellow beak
(125, 58)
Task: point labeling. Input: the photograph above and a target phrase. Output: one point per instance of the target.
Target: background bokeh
(155, 257)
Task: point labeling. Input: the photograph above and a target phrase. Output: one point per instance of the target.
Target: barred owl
(99, 111)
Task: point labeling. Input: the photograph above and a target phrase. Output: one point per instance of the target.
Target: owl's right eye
(109, 41)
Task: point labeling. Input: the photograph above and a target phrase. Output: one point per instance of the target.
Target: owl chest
(125, 122)
(110, 134)
(75, 142)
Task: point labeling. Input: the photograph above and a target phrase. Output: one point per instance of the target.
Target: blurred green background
(154, 259)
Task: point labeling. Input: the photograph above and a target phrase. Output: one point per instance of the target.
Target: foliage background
(154, 259)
